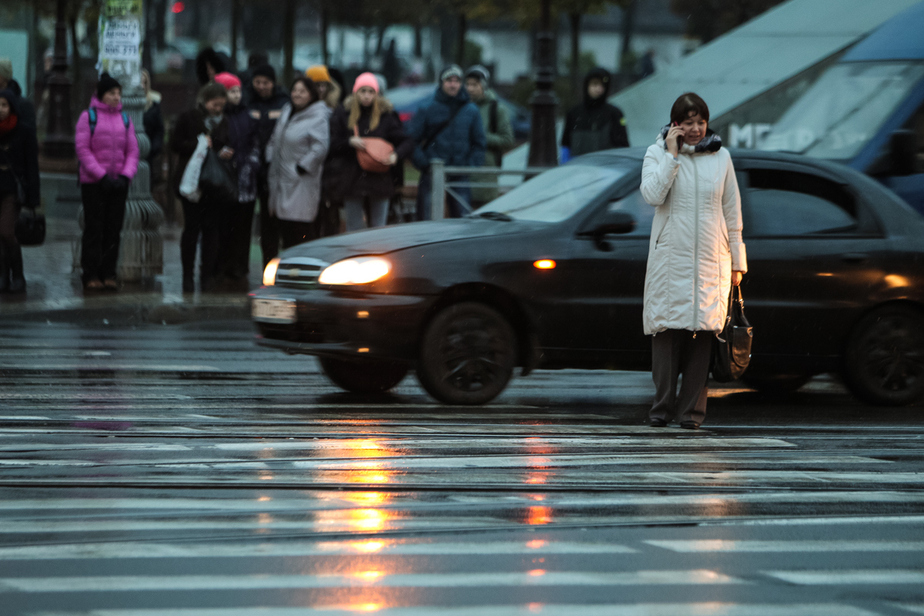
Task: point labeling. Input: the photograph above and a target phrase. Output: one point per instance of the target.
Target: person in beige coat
(296, 153)
(694, 257)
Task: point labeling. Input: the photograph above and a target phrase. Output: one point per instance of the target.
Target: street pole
(543, 151)
(59, 142)
(142, 248)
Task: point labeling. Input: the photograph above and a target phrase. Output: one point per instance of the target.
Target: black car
(551, 274)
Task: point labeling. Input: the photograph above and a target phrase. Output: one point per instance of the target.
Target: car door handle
(854, 257)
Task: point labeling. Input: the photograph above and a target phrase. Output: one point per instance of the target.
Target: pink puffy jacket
(111, 150)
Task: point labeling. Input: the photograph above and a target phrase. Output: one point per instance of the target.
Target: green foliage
(586, 61)
(472, 53)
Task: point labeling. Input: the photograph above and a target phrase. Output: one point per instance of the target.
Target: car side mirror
(903, 152)
(614, 223)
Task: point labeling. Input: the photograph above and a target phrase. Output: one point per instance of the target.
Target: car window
(557, 194)
(635, 204)
(787, 204)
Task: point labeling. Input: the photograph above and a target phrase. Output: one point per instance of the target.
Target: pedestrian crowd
(316, 158)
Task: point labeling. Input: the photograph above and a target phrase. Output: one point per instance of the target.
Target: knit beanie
(318, 73)
(6, 69)
(228, 80)
(480, 73)
(453, 70)
(366, 80)
(106, 83)
(265, 70)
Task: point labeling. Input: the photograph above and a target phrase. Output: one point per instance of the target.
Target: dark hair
(211, 57)
(211, 91)
(310, 85)
(689, 104)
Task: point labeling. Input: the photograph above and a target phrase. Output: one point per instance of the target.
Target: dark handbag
(216, 180)
(30, 228)
(732, 351)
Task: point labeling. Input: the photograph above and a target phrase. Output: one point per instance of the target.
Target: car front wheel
(467, 354)
(364, 376)
(884, 364)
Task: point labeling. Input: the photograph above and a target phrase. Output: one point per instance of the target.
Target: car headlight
(358, 270)
(269, 274)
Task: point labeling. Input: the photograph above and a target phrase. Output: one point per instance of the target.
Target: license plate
(273, 311)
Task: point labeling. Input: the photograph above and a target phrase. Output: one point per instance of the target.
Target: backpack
(91, 114)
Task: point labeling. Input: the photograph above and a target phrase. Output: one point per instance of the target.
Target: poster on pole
(120, 31)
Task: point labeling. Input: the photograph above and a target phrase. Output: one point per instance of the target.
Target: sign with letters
(120, 35)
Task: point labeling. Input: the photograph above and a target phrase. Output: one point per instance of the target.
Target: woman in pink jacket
(108, 154)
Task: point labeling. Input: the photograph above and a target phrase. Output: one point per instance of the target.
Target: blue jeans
(425, 196)
(353, 209)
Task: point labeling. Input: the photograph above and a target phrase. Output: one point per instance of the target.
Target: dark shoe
(4, 282)
(657, 422)
(110, 284)
(188, 285)
(689, 425)
(17, 284)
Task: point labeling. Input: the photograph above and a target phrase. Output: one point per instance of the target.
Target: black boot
(17, 281)
(4, 271)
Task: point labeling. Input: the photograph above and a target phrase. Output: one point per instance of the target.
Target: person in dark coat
(18, 174)
(447, 127)
(266, 102)
(202, 218)
(366, 194)
(594, 124)
(238, 223)
(153, 120)
(208, 64)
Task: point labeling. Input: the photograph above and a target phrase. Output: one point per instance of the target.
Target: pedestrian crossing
(141, 478)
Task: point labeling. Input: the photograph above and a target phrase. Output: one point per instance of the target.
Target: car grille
(297, 332)
(299, 272)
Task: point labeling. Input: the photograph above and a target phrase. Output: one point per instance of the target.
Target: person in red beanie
(365, 194)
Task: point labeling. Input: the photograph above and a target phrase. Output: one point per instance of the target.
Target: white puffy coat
(695, 238)
(299, 140)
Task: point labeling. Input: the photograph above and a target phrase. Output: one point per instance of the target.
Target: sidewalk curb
(131, 311)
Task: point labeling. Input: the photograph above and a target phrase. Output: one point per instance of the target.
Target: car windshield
(554, 195)
(844, 109)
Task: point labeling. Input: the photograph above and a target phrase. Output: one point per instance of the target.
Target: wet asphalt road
(180, 470)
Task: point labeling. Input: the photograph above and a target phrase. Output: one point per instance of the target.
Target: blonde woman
(365, 194)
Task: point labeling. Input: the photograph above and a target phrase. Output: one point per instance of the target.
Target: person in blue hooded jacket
(449, 128)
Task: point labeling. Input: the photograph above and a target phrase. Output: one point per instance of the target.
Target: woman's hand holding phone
(674, 139)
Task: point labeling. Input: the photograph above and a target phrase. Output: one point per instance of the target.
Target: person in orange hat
(327, 87)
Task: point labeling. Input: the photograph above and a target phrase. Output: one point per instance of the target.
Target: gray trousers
(675, 352)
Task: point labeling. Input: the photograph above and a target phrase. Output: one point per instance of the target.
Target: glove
(565, 155)
(300, 170)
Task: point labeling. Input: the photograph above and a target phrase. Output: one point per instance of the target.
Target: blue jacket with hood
(461, 143)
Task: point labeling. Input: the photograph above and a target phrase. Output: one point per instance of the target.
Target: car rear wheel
(467, 354)
(775, 384)
(884, 363)
(364, 376)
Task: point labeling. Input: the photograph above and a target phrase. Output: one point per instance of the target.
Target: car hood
(410, 235)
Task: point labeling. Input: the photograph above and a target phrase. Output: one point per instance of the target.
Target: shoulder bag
(375, 157)
(732, 351)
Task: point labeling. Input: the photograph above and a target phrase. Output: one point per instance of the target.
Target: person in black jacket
(238, 221)
(202, 218)
(266, 102)
(593, 125)
(153, 120)
(19, 179)
(25, 108)
(365, 194)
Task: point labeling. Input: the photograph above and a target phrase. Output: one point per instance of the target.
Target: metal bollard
(437, 189)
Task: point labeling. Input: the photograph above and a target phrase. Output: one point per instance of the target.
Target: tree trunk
(235, 29)
(325, 28)
(460, 41)
(418, 40)
(628, 27)
(380, 40)
(576, 77)
(288, 41)
(77, 64)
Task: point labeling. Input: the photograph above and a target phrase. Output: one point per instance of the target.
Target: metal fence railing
(447, 181)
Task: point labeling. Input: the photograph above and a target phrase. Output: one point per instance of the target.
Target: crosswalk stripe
(850, 577)
(388, 547)
(638, 609)
(365, 579)
(744, 545)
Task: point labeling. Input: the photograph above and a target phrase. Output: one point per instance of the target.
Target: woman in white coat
(296, 153)
(695, 255)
